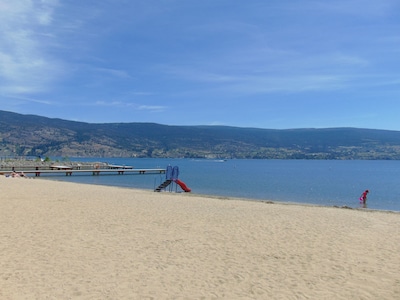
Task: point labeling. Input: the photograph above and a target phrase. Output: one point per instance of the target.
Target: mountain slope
(36, 135)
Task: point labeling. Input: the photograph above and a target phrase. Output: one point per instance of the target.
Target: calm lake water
(322, 182)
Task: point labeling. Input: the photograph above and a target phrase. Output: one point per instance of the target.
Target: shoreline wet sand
(64, 240)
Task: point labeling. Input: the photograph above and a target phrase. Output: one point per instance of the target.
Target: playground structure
(171, 176)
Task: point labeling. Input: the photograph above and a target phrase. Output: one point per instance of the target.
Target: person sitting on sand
(15, 174)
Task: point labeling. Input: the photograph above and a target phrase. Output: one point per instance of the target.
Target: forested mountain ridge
(35, 135)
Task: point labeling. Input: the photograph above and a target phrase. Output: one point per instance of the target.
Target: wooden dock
(69, 171)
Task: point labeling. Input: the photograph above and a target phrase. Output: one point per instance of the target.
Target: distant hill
(35, 135)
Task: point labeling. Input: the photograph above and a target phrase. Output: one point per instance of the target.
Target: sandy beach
(62, 240)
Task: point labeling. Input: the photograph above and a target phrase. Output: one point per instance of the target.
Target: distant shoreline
(6, 164)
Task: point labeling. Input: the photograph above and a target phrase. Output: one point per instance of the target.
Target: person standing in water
(363, 198)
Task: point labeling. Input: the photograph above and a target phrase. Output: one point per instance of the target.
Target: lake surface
(321, 182)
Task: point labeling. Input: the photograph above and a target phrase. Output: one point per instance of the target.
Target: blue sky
(255, 63)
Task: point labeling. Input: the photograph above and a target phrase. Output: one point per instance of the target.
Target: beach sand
(62, 240)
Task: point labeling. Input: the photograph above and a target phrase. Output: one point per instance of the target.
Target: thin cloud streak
(141, 107)
(29, 100)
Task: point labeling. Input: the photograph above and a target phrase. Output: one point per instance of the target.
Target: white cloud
(113, 103)
(114, 72)
(121, 104)
(286, 84)
(24, 64)
(32, 100)
(152, 108)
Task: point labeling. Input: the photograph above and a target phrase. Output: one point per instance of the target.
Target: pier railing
(82, 169)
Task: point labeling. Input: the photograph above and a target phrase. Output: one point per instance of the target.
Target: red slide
(183, 185)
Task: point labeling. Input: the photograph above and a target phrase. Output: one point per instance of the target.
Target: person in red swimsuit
(363, 197)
